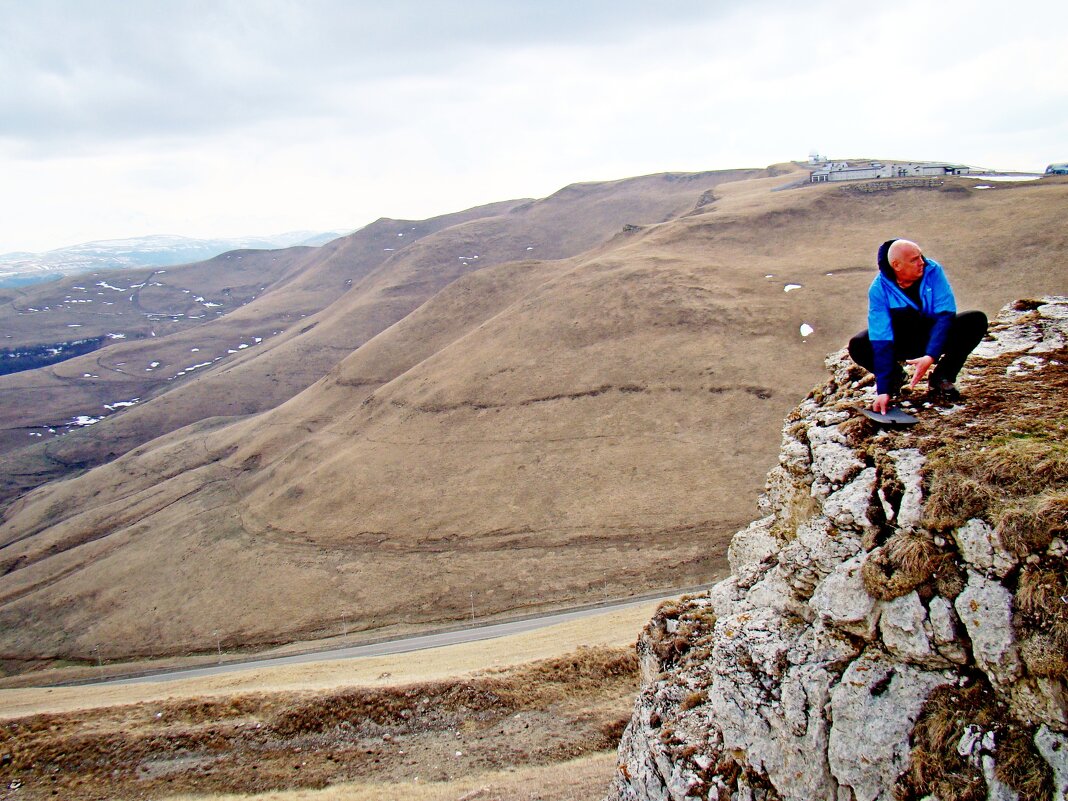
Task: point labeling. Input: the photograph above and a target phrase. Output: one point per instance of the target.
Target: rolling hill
(586, 408)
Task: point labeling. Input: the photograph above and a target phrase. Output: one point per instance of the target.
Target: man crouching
(912, 317)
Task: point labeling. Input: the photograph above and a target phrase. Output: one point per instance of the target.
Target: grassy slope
(376, 276)
(532, 432)
(518, 727)
(272, 296)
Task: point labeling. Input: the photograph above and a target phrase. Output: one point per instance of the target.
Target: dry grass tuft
(679, 632)
(858, 430)
(1026, 305)
(1041, 619)
(1020, 766)
(954, 498)
(1029, 526)
(950, 579)
(907, 560)
(694, 699)
(993, 478)
(1040, 592)
(1044, 654)
(937, 769)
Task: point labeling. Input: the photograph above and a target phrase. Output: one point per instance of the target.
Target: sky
(256, 117)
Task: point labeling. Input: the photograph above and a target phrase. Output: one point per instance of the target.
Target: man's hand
(881, 404)
(922, 365)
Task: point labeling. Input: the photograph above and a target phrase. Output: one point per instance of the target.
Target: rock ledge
(896, 625)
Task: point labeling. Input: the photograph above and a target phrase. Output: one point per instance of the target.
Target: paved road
(403, 645)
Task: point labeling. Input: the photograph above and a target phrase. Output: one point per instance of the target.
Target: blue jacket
(890, 308)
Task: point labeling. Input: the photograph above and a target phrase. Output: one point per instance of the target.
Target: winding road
(402, 645)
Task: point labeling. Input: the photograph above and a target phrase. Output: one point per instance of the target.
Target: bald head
(907, 262)
(902, 249)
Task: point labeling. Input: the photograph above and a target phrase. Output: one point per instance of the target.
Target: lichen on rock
(896, 625)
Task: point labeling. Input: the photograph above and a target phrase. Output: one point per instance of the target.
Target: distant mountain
(312, 241)
(146, 251)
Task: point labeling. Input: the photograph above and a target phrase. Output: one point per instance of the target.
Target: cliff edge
(896, 625)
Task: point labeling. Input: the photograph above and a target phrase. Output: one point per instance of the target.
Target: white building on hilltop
(866, 170)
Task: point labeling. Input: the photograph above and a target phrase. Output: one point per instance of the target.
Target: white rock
(772, 592)
(874, 708)
(943, 620)
(944, 631)
(842, 602)
(1053, 746)
(1025, 365)
(724, 597)
(794, 455)
(907, 464)
(769, 709)
(1009, 339)
(833, 464)
(831, 417)
(971, 743)
(980, 546)
(1037, 699)
(825, 547)
(985, 608)
(901, 628)
(749, 549)
(780, 490)
(849, 506)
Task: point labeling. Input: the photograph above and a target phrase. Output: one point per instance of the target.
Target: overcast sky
(203, 118)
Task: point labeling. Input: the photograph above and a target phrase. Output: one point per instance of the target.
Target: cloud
(80, 74)
(227, 118)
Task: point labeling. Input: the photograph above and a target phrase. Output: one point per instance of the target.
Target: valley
(518, 407)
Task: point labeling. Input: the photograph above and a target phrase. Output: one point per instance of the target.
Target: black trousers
(965, 332)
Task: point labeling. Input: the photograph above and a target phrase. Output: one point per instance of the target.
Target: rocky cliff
(896, 625)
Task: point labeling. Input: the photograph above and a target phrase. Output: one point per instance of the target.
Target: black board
(893, 417)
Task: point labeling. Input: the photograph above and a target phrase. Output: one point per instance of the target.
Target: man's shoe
(942, 389)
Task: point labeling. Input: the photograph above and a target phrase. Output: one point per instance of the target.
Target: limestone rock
(850, 506)
(764, 689)
(833, 461)
(843, 603)
(944, 631)
(907, 464)
(985, 608)
(902, 628)
(1053, 747)
(809, 687)
(874, 708)
(749, 548)
(981, 548)
(795, 455)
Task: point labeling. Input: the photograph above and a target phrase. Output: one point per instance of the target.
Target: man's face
(908, 266)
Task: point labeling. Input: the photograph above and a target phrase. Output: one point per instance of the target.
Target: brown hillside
(382, 273)
(39, 405)
(534, 434)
